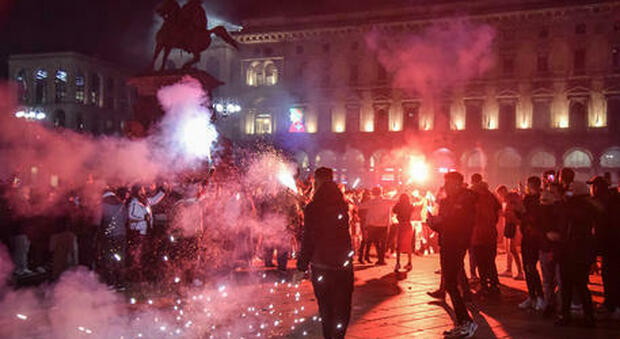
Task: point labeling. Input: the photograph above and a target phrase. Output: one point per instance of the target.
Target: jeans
(21, 246)
(378, 235)
(333, 290)
(485, 260)
(550, 275)
(529, 255)
(451, 265)
(574, 275)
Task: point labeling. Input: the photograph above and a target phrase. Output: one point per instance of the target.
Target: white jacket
(140, 215)
(378, 212)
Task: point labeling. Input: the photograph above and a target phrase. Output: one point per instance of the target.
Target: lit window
(95, 90)
(457, 116)
(22, 87)
(61, 85)
(524, 113)
(254, 74)
(40, 87)
(577, 159)
(597, 110)
(542, 159)
(490, 114)
(79, 88)
(561, 121)
(611, 158)
(262, 124)
(367, 121)
(271, 74)
(338, 121)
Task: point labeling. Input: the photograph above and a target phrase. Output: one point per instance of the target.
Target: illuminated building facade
(552, 98)
(71, 90)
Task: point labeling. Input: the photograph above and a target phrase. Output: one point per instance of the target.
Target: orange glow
(418, 170)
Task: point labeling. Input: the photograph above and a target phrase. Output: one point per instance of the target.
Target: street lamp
(226, 107)
(30, 114)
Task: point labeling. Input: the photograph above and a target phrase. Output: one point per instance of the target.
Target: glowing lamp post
(225, 108)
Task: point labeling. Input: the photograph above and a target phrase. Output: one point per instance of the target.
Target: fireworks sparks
(117, 257)
(21, 316)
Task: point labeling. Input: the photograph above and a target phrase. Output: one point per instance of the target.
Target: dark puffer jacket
(325, 239)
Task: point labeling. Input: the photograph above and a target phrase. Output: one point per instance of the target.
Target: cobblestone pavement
(264, 303)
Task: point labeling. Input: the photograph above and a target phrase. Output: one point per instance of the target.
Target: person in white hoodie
(140, 219)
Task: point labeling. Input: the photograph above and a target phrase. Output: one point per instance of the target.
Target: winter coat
(455, 220)
(325, 239)
(576, 228)
(113, 216)
(140, 214)
(486, 214)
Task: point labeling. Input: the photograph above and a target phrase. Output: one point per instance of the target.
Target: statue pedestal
(147, 110)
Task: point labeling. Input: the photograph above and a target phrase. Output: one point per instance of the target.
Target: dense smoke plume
(436, 58)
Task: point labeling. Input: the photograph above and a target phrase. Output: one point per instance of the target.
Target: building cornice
(265, 31)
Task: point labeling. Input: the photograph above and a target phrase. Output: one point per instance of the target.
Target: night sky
(120, 30)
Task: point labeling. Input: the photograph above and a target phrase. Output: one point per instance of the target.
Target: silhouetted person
(326, 247)
(607, 231)
(530, 245)
(455, 224)
(576, 251)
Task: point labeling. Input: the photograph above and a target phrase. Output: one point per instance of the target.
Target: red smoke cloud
(436, 58)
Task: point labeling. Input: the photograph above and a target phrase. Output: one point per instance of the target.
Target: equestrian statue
(185, 28)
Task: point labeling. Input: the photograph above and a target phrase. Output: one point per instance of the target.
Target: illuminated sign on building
(296, 116)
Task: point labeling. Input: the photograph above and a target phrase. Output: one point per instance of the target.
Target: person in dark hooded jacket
(576, 243)
(326, 247)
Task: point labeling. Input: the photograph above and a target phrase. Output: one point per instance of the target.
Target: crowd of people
(137, 233)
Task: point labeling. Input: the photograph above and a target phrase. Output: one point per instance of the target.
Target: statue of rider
(193, 18)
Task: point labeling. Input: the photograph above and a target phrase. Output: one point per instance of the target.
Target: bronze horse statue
(186, 29)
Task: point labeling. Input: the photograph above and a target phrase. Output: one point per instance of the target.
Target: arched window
(542, 159)
(611, 158)
(59, 119)
(353, 160)
(271, 74)
(443, 160)
(263, 124)
(254, 74)
(79, 88)
(40, 86)
(22, 87)
(327, 158)
(61, 86)
(95, 89)
(109, 94)
(577, 159)
(508, 158)
(476, 159)
(303, 161)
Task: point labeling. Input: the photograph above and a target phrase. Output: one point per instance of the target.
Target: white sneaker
(466, 330)
(527, 303)
(540, 304)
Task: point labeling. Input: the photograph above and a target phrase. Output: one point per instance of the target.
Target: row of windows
(456, 118)
(91, 94)
(259, 73)
(477, 158)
